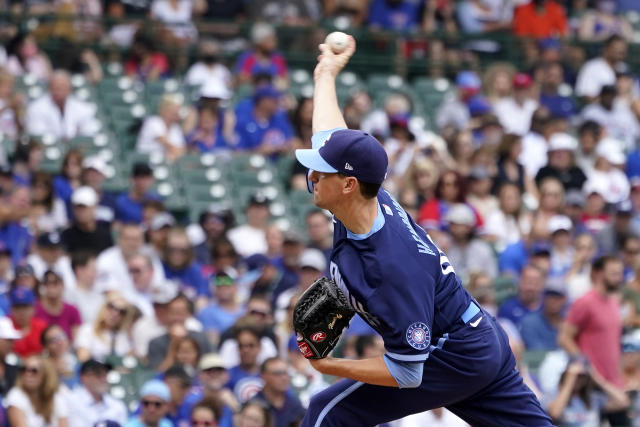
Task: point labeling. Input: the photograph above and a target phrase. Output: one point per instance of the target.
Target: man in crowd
(539, 329)
(154, 404)
(86, 233)
(282, 402)
(529, 297)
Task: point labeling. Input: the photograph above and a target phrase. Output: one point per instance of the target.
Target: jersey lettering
(355, 304)
(423, 248)
(445, 264)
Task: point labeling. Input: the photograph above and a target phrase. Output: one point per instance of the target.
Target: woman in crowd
(254, 414)
(510, 222)
(35, 400)
(109, 334)
(509, 167)
(55, 345)
(145, 62)
(184, 351)
(49, 212)
(209, 133)
(551, 204)
(162, 133)
(70, 176)
(26, 58)
(203, 415)
(498, 81)
(51, 307)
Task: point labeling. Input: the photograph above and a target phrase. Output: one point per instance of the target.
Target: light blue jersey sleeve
(406, 374)
(321, 136)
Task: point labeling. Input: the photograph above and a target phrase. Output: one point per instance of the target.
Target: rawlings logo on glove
(319, 317)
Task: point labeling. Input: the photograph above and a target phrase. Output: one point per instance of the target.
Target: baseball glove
(319, 317)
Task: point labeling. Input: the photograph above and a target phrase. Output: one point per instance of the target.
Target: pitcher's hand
(331, 63)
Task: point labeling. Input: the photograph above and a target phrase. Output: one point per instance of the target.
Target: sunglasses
(135, 270)
(30, 370)
(155, 403)
(120, 310)
(258, 313)
(203, 423)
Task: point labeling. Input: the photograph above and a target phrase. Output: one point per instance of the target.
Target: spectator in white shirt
(250, 238)
(49, 255)
(177, 15)
(607, 177)
(84, 294)
(599, 71)
(615, 116)
(141, 271)
(58, 113)
(91, 402)
(208, 69)
(162, 133)
(515, 112)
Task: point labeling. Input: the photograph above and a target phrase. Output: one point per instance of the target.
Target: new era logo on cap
(348, 167)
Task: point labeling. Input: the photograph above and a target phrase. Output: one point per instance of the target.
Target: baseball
(337, 41)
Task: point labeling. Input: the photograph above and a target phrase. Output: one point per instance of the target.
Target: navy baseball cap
(349, 152)
(22, 296)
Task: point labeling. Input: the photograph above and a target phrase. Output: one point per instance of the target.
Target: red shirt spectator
(145, 62)
(540, 19)
(22, 300)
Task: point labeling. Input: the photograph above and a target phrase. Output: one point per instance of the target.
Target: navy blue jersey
(398, 280)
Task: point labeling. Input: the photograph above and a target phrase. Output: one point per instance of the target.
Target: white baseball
(337, 41)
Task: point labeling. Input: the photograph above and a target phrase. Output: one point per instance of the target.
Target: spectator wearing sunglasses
(203, 415)
(277, 394)
(154, 398)
(108, 335)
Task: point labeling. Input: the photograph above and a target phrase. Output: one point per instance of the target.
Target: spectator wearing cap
(85, 295)
(562, 251)
(244, 378)
(219, 316)
(593, 325)
(263, 57)
(466, 252)
(95, 171)
(515, 112)
(112, 263)
(540, 19)
(250, 238)
(91, 400)
(607, 178)
(212, 377)
(52, 309)
(8, 371)
(85, 232)
(59, 113)
(599, 71)
(529, 296)
(129, 205)
(561, 164)
(22, 314)
(615, 116)
(264, 128)
(286, 408)
(631, 362)
(49, 255)
(311, 265)
(550, 97)
(154, 405)
(13, 234)
(453, 111)
(157, 231)
(162, 133)
(179, 382)
(178, 262)
(610, 239)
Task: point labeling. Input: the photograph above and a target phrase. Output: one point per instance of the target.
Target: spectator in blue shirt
(129, 205)
(154, 404)
(244, 378)
(559, 105)
(179, 382)
(15, 236)
(220, 316)
(265, 128)
(395, 15)
(539, 329)
(178, 262)
(208, 135)
(276, 393)
(529, 297)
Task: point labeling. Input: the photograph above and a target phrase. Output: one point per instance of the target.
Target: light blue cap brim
(312, 159)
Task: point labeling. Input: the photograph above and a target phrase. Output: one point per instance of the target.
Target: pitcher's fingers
(325, 49)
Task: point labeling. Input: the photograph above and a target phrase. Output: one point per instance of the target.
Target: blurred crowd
(117, 311)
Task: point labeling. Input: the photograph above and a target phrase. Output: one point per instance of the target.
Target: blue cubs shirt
(394, 277)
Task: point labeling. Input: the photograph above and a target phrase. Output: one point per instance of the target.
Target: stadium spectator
(36, 400)
(209, 70)
(8, 371)
(551, 96)
(290, 12)
(612, 238)
(393, 15)
(13, 234)
(263, 58)
(203, 414)
(84, 295)
(179, 310)
(85, 232)
(515, 112)
(12, 105)
(48, 254)
(221, 315)
(529, 298)
(254, 413)
(56, 346)
(215, 221)
(539, 329)
(91, 400)
(52, 309)
(540, 19)
(510, 222)
(244, 378)
(179, 382)
(250, 238)
(94, 173)
(462, 225)
(129, 205)
(311, 265)
(22, 314)
(179, 264)
(589, 134)
(283, 404)
(480, 197)
(560, 163)
(145, 62)
(162, 133)
(606, 177)
(599, 71)
(141, 270)
(24, 56)
(48, 213)
(108, 335)
(453, 111)
(601, 22)
(154, 405)
(59, 113)
(176, 15)
(594, 320)
(483, 16)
